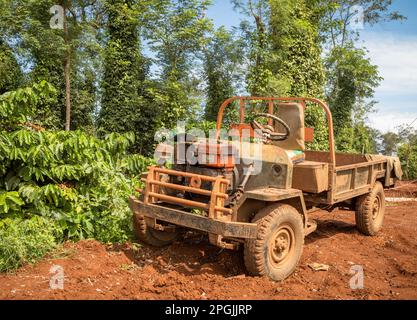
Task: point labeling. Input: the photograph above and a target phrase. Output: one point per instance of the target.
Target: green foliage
(84, 97)
(74, 179)
(42, 51)
(10, 73)
(223, 56)
(351, 77)
(26, 25)
(26, 240)
(407, 151)
(296, 57)
(296, 48)
(285, 54)
(352, 80)
(205, 126)
(172, 102)
(176, 33)
(132, 99)
(337, 16)
(367, 139)
(260, 80)
(79, 183)
(403, 144)
(281, 44)
(124, 69)
(175, 30)
(19, 106)
(389, 143)
(408, 156)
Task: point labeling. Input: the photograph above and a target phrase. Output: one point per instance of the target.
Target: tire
(151, 236)
(370, 210)
(278, 247)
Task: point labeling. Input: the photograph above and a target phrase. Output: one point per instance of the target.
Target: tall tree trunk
(67, 71)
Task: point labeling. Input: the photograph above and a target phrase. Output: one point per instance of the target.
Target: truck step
(311, 227)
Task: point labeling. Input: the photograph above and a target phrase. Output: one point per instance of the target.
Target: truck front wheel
(370, 210)
(151, 236)
(278, 246)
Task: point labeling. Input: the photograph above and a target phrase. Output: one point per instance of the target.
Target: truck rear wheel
(278, 246)
(151, 236)
(370, 210)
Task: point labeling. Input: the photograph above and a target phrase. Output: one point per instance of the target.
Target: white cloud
(396, 56)
(389, 121)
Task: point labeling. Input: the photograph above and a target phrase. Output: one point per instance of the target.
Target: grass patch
(61, 252)
(25, 240)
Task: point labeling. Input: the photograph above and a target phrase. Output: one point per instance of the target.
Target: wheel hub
(281, 246)
(376, 208)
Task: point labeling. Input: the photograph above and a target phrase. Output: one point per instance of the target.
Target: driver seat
(293, 115)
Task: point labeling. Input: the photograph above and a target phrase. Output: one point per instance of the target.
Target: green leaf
(12, 182)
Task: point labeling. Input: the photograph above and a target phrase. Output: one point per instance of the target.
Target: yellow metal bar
(176, 200)
(190, 175)
(181, 187)
(186, 202)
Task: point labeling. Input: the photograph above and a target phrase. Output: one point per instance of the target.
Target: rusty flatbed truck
(266, 212)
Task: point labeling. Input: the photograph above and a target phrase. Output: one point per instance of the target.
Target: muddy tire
(278, 247)
(370, 210)
(151, 236)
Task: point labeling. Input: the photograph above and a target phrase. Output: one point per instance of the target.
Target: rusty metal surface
(273, 194)
(309, 134)
(356, 179)
(217, 195)
(271, 100)
(185, 219)
(311, 176)
(353, 176)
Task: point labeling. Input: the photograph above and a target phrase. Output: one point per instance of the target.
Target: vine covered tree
(124, 71)
(296, 56)
(260, 80)
(176, 33)
(222, 59)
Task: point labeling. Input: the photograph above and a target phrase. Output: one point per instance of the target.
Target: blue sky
(392, 46)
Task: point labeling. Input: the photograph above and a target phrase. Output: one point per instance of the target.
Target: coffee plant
(72, 181)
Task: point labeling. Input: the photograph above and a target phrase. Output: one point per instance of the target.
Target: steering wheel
(268, 130)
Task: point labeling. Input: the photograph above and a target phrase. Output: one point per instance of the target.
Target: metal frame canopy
(271, 101)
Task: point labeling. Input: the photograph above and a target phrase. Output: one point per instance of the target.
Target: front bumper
(181, 218)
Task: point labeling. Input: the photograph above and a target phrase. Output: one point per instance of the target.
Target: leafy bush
(26, 240)
(407, 152)
(74, 179)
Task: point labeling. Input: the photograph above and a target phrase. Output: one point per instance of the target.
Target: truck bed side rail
(356, 179)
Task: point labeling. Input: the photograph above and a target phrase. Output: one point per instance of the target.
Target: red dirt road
(193, 269)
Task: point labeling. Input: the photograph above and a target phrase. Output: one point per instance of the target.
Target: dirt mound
(403, 189)
(193, 269)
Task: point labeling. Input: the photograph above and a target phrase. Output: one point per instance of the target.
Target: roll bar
(271, 111)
